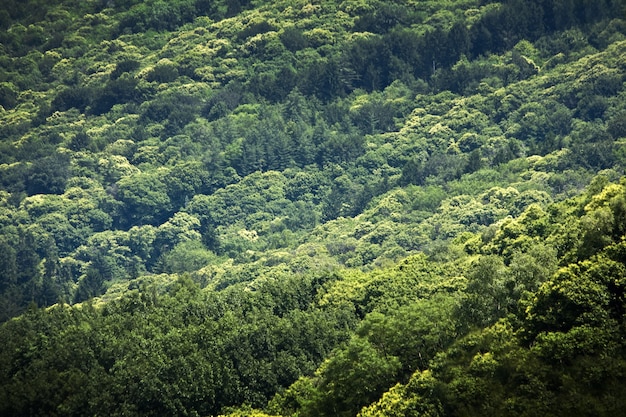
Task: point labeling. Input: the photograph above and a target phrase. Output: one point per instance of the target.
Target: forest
(299, 208)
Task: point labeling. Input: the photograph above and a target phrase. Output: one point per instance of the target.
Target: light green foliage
(145, 199)
(181, 227)
(379, 207)
(245, 412)
(410, 400)
(569, 321)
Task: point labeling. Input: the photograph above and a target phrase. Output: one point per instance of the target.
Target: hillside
(312, 208)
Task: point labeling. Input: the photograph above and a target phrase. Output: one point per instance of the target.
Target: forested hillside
(312, 208)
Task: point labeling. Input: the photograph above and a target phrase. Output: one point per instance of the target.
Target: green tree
(48, 175)
(92, 284)
(184, 181)
(490, 295)
(186, 256)
(8, 265)
(353, 378)
(8, 95)
(145, 199)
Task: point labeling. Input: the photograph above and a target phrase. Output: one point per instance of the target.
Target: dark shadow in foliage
(502, 28)
(446, 167)
(255, 29)
(223, 102)
(13, 180)
(19, 275)
(80, 141)
(8, 96)
(159, 15)
(48, 175)
(373, 63)
(371, 59)
(474, 161)
(42, 146)
(8, 265)
(413, 173)
(591, 108)
(72, 97)
(592, 147)
(341, 148)
(116, 91)
(174, 111)
(293, 39)
(119, 89)
(93, 282)
(220, 9)
(163, 73)
(274, 86)
(127, 65)
(383, 17)
(327, 79)
(50, 290)
(617, 126)
(406, 47)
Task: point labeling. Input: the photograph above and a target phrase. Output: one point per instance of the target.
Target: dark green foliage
(163, 73)
(383, 17)
(385, 208)
(8, 95)
(255, 28)
(591, 108)
(474, 161)
(72, 97)
(352, 379)
(531, 19)
(369, 60)
(413, 173)
(48, 175)
(206, 351)
(224, 101)
(80, 141)
(158, 15)
(128, 65)
(173, 110)
(617, 126)
(293, 39)
(116, 91)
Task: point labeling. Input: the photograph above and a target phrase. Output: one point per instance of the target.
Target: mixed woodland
(309, 208)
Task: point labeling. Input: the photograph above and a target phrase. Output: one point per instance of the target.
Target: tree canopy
(310, 208)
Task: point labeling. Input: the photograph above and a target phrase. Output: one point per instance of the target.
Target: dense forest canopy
(312, 208)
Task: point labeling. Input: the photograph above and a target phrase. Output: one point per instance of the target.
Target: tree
(617, 125)
(77, 97)
(81, 141)
(578, 296)
(145, 199)
(293, 39)
(413, 172)
(8, 95)
(116, 91)
(165, 71)
(187, 256)
(474, 161)
(182, 227)
(92, 284)
(8, 265)
(353, 378)
(414, 399)
(491, 294)
(48, 175)
(185, 180)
